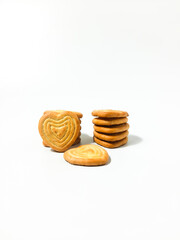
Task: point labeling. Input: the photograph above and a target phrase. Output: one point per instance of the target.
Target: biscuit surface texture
(112, 144)
(45, 144)
(109, 113)
(112, 137)
(109, 121)
(112, 129)
(59, 130)
(77, 141)
(87, 155)
(79, 115)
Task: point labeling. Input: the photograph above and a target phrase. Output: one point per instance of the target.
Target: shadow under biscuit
(132, 140)
(86, 139)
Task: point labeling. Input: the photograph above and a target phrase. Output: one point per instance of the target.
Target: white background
(84, 55)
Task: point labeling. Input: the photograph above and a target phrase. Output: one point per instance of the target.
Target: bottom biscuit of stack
(111, 144)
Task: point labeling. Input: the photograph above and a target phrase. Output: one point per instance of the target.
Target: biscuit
(111, 138)
(77, 141)
(60, 111)
(109, 121)
(59, 130)
(87, 155)
(112, 144)
(112, 129)
(45, 144)
(109, 113)
(79, 115)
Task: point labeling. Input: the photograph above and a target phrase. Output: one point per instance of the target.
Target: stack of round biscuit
(110, 128)
(79, 115)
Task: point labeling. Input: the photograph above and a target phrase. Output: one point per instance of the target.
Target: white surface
(86, 55)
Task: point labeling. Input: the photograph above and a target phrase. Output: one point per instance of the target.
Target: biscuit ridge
(59, 130)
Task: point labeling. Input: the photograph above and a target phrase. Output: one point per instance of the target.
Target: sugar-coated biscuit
(111, 137)
(59, 130)
(87, 155)
(112, 129)
(109, 121)
(80, 115)
(112, 144)
(109, 113)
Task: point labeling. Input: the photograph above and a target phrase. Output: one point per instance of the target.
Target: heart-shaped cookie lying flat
(59, 130)
(87, 155)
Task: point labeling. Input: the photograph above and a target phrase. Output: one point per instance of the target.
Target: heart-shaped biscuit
(108, 113)
(59, 130)
(87, 155)
(111, 144)
(79, 115)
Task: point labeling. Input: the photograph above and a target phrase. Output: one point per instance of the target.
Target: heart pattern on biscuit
(59, 130)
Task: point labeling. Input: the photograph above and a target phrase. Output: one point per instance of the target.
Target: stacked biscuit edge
(110, 128)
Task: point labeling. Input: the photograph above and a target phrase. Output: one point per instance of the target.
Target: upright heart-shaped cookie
(79, 115)
(59, 130)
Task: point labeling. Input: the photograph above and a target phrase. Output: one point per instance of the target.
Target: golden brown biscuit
(109, 121)
(111, 138)
(112, 144)
(59, 130)
(80, 115)
(112, 129)
(109, 113)
(45, 144)
(77, 141)
(87, 155)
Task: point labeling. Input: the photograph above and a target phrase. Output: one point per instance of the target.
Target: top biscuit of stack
(110, 127)
(109, 113)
